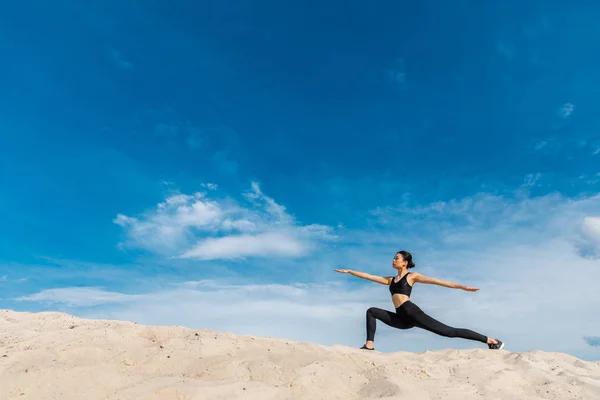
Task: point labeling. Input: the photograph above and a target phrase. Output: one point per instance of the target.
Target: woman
(408, 314)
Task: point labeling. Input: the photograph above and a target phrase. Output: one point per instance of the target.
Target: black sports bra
(400, 287)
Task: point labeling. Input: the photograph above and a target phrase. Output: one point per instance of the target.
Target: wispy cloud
(118, 59)
(496, 212)
(517, 290)
(199, 227)
(224, 164)
(537, 28)
(7, 279)
(296, 311)
(566, 110)
(521, 248)
(397, 73)
(516, 248)
(166, 130)
(505, 49)
(195, 140)
(78, 297)
(532, 180)
(540, 145)
(217, 142)
(165, 124)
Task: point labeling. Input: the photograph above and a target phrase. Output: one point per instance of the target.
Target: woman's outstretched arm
(364, 275)
(417, 277)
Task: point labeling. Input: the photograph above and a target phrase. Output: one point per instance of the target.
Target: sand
(57, 356)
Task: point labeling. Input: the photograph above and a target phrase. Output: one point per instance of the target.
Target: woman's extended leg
(387, 317)
(426, 322)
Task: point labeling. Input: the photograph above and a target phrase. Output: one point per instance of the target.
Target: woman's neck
(402, 271)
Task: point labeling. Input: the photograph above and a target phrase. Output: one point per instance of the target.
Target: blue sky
(209, 164)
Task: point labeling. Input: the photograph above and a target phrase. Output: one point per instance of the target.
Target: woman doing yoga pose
(408, 314)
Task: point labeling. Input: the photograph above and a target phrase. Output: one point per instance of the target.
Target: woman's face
(398, 261)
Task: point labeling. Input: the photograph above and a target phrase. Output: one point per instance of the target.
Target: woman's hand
(342, 271)
(470, 289)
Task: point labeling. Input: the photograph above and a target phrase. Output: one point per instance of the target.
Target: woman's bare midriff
(399, 299)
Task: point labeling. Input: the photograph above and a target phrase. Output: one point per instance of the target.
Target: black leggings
(409, 315)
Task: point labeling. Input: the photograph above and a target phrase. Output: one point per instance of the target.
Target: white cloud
(485, 215)
(230, 247)
(194, 226)
(532, 180)
(537, 291)
(527, 298)
(534, 258)
(566, 110)
(590, 227)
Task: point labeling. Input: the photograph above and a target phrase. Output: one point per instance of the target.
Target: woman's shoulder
(413, 276)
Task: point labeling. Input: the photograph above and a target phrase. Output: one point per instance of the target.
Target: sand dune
(57, 356)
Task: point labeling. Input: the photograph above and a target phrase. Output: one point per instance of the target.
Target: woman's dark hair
(407, 257)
